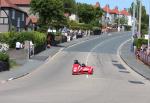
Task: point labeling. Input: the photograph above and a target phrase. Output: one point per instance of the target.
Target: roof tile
(124, 12)
(21, 2)
(107, 9)
(7, 3)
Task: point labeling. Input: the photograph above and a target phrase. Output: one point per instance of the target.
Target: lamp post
(0, 8)
(149, 31)
(133, 25)
(140, 15)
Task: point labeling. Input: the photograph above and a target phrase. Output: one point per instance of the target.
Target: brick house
(11, 17)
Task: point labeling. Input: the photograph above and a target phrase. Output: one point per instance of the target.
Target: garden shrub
(139, 42)
(76, 25)
(4, 62)
(9, 38)
(12, 37)
(4, 57)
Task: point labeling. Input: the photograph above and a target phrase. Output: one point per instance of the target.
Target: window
(1, 20)
(5, 20)
(23, 17)
(13, 14)
(18, 23)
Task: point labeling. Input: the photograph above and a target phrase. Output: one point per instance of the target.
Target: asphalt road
(52, 82)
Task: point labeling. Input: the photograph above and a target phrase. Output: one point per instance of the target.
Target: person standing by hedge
(49, 38)
(18, 45)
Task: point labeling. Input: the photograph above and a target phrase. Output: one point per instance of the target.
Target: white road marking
(10, 79)
(96, 47)
(83, 42)
(51, 58)
(87, 76)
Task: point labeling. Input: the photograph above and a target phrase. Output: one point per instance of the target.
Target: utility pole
(140, 15)
(0, 8)
(149, 31)
(107, 17)
(133, 25)
(119, 21)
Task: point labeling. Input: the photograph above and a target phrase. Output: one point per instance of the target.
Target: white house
(129, 20)
(73, 17)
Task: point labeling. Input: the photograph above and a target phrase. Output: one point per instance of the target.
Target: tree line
(51, 13)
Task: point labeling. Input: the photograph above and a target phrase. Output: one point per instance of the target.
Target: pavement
(130, 59)
(37, 60)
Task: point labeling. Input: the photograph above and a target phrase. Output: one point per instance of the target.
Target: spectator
(18, 45)
(49, 39)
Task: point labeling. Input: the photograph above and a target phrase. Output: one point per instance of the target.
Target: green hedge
(12, 37)
(127, 28)
(4, 57)
(139, 42)
(76, 25)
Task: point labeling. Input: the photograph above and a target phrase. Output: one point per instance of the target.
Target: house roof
(21, 2)
(107, 9)
(115, 11)
(7, 3)
(124, 12)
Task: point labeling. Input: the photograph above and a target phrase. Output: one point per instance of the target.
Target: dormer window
(13, 14)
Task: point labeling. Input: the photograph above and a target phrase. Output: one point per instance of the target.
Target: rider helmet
(76, 62)
(83, 65)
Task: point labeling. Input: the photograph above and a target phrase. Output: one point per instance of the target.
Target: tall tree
(123, 20)
(50, 12)
(69, 6)
(87, 13)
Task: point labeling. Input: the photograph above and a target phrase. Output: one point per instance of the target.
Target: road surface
(53, 82)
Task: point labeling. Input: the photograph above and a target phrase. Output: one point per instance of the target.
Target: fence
(144, 57)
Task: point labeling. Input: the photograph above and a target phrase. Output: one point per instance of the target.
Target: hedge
(76, 25)
(139, 42)
(12, 37)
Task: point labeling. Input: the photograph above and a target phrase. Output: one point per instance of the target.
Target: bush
(139, 42)
(75, 25)
(12, 37)
(39, 39)
(4, 57)
(96, 30)
(4, 62)
(9, 38)
(127, 28)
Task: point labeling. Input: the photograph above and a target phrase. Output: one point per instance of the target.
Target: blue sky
(120, 3)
